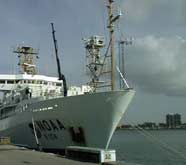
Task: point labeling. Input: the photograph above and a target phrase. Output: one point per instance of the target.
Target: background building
(173, 120)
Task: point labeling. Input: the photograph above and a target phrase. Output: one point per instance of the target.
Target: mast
(27, 56)
(93, 47)
(110, 26)
(60, 75)
(97, 64)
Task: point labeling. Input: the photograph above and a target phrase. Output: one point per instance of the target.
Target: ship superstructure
(38, 110)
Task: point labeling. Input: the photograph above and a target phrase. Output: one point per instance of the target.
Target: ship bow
(103, 113)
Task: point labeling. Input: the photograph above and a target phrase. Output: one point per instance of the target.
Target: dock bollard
(5, 140)
(87, 154)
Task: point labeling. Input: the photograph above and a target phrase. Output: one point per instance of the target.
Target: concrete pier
(13, 155)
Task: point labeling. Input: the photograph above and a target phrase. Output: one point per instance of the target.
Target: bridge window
(30, 81)
(2, 81)
(10, 81)
(17, 81)
(40, 82)
(58, 84)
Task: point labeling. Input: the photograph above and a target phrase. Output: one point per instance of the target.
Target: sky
(155, 62)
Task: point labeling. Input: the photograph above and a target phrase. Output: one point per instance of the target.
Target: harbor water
(153, 147)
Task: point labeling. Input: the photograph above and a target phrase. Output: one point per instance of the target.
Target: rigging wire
(105, 56)
(118, 26)
(164, 145)
(170, 149)
(122, 77)
(103, 19)
(35, 134)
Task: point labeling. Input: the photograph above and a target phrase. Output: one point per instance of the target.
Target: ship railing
(7, 111)
(46, 94)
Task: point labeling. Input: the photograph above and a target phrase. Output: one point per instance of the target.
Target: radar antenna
(26, 57)
(93, 46)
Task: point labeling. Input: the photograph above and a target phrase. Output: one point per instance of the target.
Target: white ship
(38, 110)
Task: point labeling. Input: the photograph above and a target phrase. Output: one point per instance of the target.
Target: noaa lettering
(40, 125)
(53, 125)
(49, 125)
(61, 126)
(38, 133)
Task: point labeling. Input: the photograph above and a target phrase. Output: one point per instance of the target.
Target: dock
(13, 155)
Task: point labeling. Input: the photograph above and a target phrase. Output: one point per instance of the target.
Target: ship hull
(87, 120)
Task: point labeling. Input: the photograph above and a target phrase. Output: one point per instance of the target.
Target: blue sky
(155, 63)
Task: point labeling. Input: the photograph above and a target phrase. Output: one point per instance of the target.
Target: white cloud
(159, 11)
(137, 10)
(158, 64)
